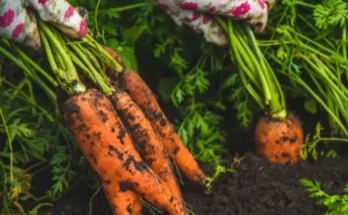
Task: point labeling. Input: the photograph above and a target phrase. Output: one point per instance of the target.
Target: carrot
(125, 201)
(106, 144)
(279, 140)
(142, 95)
(278, 133)
(114, 55)
(97, 128)
(71, 86)
(148, 143)
(121, 200)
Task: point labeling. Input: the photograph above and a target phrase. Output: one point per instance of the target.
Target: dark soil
(256, 188)
(261, 188)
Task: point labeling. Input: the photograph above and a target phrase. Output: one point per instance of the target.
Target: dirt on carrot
(142, 95)
(147, 142)
(279, 140)
(109, 149)
(125, 201)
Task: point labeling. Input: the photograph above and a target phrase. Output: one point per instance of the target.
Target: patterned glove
(18, 22)
(195, 14)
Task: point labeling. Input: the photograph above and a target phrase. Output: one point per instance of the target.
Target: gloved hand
(195, 14)
(18, 21)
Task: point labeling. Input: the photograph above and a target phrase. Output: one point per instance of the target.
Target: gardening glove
(196, 14)
(18, 21)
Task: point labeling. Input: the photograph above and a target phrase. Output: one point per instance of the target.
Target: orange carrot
(142, 95)
(108, 147)
(147, 142)
(124, 200)
(114, 55)
(279, 141)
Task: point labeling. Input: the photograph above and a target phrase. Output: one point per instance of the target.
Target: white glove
(19, 24)
(196, 14)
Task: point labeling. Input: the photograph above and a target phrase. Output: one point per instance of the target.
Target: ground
(260, 188)
(256, 188)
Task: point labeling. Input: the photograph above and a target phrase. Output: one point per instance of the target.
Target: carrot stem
(111, 62)
(91, 72)
(67, 78)
(28, 60)
(239, 56)
(253, 64)
(28, 71)
(325, 105)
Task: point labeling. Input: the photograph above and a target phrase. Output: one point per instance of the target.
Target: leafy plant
(36, 138)
(335, 204)
(195, 79)
(311, 59)
(309, 149)
(330, 14)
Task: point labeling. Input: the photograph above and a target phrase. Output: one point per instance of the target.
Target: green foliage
(190, 76)
(311, 58)
(36, 138)
(241, 99)
(335, 204)
(32, 139)
(309, 149)
(330, 13)
(28, 139)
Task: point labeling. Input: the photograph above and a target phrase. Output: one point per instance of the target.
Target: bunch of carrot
(119, 126)
(279, 134)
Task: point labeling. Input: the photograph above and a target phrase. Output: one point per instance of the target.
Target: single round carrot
(141, 94)
(106, 144)
(279, 141)
(147, 142)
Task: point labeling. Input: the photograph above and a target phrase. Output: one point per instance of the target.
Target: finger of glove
(256, 11)
(213, 33)
(62, 14)
(83, 13)
(203, 23)
(18, 24)
(199, 22)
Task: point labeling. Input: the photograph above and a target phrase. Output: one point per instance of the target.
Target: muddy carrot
(142, 95)
(147, 142)
(70, 86)
(98, 130)
(105, 142)
(279, 141)
(125, 201)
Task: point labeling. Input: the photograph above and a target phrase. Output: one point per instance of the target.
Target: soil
(257, 187)
(260, 188)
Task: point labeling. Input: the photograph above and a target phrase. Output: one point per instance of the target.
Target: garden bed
(256, 188)
(205, 87)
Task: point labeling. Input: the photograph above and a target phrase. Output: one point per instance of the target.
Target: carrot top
(88, 55)
(61, 65)
(256, 73)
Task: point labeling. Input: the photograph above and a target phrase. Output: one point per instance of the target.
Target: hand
(195, 14)
(18, 22)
